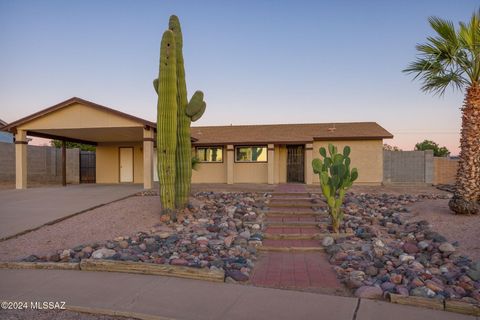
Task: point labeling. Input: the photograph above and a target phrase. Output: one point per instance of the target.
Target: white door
(126, 164)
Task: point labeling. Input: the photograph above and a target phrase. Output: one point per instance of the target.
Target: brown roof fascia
(70, 102)
(352, 138)
(255, 143)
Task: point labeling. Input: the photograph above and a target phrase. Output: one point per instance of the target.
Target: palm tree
(452, 58)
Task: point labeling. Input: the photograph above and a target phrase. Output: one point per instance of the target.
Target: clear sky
(257, 61)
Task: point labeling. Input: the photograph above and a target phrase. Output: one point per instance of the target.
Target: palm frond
(449, 58)
(437, 84)
(469, 38)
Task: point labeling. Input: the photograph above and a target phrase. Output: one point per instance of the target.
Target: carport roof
(84, 135)
(69, 102)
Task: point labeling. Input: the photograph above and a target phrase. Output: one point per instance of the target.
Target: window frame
(250, 146)
(211, 147)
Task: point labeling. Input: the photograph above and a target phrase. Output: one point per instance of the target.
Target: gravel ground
(463, 229)
(53, 315)
(120, 218)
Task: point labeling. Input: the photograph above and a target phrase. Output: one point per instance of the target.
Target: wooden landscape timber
(152, 269)
(40, 265)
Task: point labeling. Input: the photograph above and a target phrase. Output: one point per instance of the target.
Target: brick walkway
(293, 256)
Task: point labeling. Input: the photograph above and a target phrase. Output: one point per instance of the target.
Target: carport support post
(21, 159)
(271, 164)
(64, 163)
(148, 139)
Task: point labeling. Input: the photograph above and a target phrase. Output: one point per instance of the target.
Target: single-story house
(283, 153)
(5, 136)
(228, 154)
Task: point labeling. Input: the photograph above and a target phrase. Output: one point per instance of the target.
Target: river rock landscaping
(385, 254)
(380, 252)
(216, 231)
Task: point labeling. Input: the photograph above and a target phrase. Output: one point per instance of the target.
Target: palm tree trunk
(466, 199)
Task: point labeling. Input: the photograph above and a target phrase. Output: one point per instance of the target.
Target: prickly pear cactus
(166, 87)
(336, 178)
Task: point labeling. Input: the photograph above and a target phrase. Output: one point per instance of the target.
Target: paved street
(192, 299)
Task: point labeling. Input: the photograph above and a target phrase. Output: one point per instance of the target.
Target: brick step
(294, 224)
(291, 199)
(286, 213)
(291, 243)
(290, 194)
(292, 230)
(288, 219)
(292, 204)
(291, 249)
(303, 236)
(292, 236)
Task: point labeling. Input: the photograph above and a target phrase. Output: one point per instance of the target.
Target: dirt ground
(120, 218)
(461, 228)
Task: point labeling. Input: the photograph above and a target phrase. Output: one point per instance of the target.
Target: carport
(124, 143)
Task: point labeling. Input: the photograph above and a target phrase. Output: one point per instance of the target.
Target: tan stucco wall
(107, 161)
(250, 172)
(210, 173)
(366, 156)
(78, 116)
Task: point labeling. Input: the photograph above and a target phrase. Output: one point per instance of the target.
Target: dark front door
(87, 166)
(295, 163)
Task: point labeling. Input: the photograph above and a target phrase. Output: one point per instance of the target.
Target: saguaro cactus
(166, 87)
(186, 112)
(335, 178)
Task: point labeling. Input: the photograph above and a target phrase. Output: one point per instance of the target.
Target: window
(251, 154)
(210, 154)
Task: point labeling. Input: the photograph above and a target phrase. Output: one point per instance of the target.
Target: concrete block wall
(44, 164)
(408, 167)
(417, 167)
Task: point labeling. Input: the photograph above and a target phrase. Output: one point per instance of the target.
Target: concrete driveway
(22, 210)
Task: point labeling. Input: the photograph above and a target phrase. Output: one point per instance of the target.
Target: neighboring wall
(408, 167)
(445, 170)
(44, 164)
(6, 137)
(108, 162)
(366, 156)
(418, 167)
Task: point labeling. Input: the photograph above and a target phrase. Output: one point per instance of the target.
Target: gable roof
(2, 123)
(69, 102)
(289, 133)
